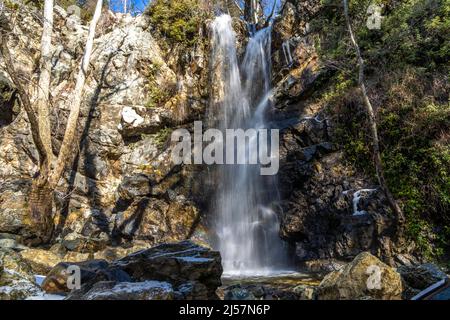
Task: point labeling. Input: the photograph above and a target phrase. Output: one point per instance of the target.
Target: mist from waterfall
(246, 224)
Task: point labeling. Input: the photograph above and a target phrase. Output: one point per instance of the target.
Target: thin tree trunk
(43, 89)
(40, 200)
(69, 136)
(24, 98)
(251, 12)
(372, 122)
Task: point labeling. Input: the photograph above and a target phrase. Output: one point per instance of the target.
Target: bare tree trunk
(23, 95)
(69, 136)
(251, 12)
(43, 89)
(373, 124)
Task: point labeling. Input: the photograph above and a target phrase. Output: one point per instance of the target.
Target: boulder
(11, 244)
(181, 270)
(147, 290)
(267, 291)
(304, 292)
(365, 277)
(14, 287)
(176, 263)
(91, 272)
(193, 290)
(419, 277)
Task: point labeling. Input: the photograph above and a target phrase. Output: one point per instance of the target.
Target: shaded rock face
(170, 271)
(366, 277)
(9, 106)
(323, 215)
(123, 186)
(296, 63)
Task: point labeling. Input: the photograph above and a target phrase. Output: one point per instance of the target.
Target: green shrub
(157, 94)
(162, 136)
(177, 20)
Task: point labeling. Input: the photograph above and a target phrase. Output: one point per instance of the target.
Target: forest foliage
(407, 69)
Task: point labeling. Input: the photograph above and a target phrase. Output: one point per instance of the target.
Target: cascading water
(247, 227)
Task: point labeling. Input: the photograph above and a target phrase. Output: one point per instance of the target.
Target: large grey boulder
(181, 270)
(147, 290)
(366, 277)
(91, 272)
(419, 277)
(176, 263)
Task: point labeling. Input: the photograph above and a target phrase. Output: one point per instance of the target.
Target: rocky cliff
(122, 186)
(123, 192)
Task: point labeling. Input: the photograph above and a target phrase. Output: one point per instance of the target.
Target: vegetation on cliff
(177, 21)
(407, 76)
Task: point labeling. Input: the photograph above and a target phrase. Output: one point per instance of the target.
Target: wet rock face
(296, 64)
(366, 277)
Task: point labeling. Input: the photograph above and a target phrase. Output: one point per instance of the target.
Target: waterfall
(246, 224)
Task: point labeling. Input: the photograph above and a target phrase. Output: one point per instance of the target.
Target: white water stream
(247, 226)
